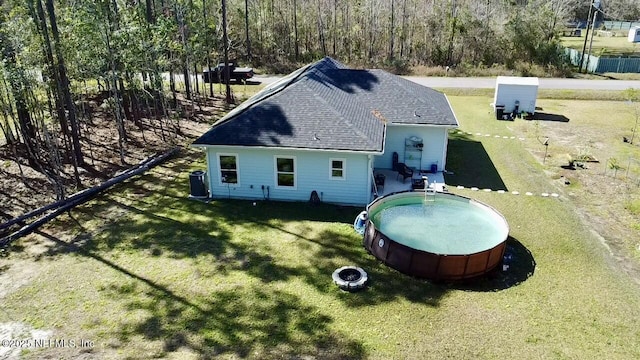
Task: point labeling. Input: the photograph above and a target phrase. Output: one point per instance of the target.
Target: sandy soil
(599, 193)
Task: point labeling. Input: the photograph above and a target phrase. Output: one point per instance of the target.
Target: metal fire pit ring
(350, 278)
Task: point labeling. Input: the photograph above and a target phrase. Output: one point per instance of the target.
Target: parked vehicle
(236, 74)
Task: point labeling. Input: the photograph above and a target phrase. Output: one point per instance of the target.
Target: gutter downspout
(209, 173)
(369, 178)
(446, 133)
(444, 153)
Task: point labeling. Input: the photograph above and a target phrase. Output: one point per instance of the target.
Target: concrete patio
(393, 182)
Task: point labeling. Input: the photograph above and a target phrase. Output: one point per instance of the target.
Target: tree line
(55, 54)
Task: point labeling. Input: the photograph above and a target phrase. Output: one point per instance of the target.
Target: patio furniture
(417, 184)
(394, 161)
(379, 179)
(405, 171)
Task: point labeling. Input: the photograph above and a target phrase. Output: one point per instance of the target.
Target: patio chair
(394, 162)
(405, 171)
(379, 179)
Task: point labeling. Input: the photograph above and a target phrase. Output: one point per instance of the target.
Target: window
(285, 171)
(338, 169)
(228, 168)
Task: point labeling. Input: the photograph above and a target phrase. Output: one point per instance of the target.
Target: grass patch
(566, 94)
(555, 94)
(633, 207)
(593, 129)
(605, 45)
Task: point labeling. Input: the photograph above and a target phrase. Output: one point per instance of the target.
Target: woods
(70, 68)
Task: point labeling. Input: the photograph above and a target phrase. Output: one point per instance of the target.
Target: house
(634, 34)
(329, 129)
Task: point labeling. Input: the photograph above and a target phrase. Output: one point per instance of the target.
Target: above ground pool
(437, 236)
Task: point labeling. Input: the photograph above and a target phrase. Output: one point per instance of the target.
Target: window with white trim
(285, 171)
(338, 169)
(228, 168)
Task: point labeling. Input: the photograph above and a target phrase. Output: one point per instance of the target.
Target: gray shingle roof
(328, 106)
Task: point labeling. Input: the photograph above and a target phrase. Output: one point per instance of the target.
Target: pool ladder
(429, 194)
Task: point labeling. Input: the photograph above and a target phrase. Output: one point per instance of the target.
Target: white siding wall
(434, 151)
(634, 34)
(313, 170)
(507, 94)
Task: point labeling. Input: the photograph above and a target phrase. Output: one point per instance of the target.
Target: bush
(398, 67)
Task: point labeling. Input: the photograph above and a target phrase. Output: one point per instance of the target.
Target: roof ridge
(305, 70)
(348, 109)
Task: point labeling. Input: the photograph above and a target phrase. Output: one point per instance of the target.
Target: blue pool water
(449, 225)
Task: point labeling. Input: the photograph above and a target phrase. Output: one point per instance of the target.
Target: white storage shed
(634, 34)
(512, 91)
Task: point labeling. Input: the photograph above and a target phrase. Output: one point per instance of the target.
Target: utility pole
(225, 41)
(295, 28)
(454, 18)
(586, 36)
(391, 35)
(593, 31)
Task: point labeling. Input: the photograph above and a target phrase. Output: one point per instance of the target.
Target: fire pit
(350, 278)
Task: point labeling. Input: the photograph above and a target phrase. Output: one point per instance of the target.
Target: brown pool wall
(424, 264)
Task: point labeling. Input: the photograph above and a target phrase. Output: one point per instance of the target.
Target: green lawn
(604, 45)
(554, 94)
(589, 127)
(145, 272)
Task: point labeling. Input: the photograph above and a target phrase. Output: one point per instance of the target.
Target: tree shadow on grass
(244, 320)
(388, 285)
(162, 224)
(471, 165)
(255, 317)
(337, 249)
(251, 322)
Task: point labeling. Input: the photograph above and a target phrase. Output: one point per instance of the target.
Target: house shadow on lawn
(245, 320)
(471, 165)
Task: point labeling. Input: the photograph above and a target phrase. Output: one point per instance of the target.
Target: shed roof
(327, 106)
(517, 80)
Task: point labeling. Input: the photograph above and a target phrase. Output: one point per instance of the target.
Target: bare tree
(391, 30)
(17, 85)
(78, 159)
(295, 30)
(225, 44)
(622, 9)
(246, 29)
